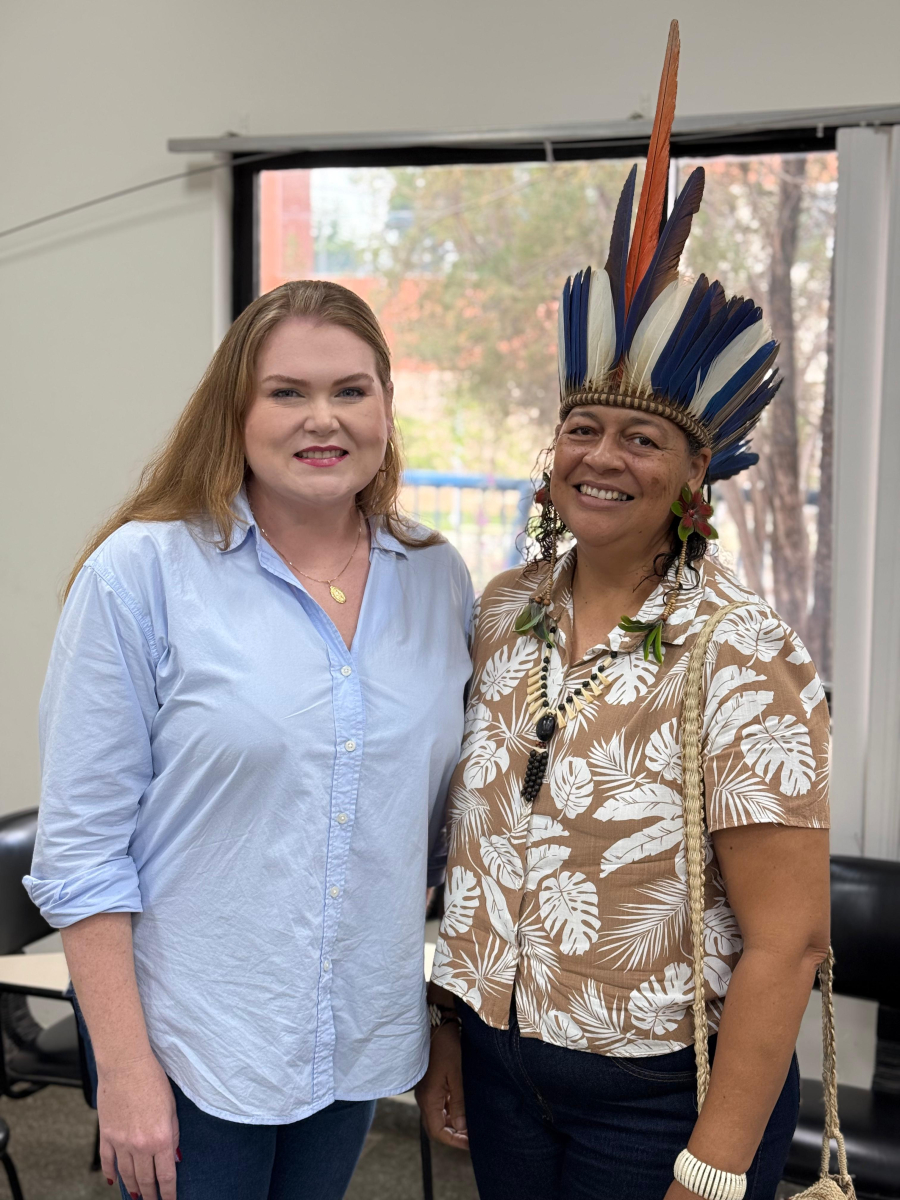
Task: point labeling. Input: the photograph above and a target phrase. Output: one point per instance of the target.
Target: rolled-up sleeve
(97, 710)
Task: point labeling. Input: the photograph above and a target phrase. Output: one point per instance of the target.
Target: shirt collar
(676, 627)
(382, 538)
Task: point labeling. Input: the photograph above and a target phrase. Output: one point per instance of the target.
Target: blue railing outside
(483, 515)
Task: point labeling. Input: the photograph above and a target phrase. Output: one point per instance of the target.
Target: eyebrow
(359, 377)
(637, 418)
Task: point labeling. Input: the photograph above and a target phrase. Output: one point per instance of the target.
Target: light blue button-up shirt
(216, 761)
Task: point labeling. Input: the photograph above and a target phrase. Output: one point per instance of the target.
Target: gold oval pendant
(337, 594)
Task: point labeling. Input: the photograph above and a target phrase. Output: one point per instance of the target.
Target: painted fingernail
(135, 1195)
(178, 1154)
(110, 1182)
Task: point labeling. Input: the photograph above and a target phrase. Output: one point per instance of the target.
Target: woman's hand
(138, 1128)
(440, 1092)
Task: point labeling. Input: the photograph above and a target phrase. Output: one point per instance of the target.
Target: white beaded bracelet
(709, 1182)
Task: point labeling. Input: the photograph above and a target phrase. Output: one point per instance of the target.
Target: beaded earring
(534, 617)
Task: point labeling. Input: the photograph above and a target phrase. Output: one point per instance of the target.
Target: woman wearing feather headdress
(567, 995)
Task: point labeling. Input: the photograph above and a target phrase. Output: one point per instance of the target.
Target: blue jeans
(547, 1123)
(312, 1159)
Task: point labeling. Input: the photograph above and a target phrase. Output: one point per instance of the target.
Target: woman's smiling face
(616, 473)
(320, 417)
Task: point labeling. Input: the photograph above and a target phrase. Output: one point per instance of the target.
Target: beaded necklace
(549, 719)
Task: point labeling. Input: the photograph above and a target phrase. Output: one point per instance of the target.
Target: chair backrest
(20, 922)
(865, 928)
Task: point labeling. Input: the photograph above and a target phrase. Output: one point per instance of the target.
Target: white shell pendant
(337, 594)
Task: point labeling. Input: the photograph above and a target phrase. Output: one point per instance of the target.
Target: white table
(35, 974)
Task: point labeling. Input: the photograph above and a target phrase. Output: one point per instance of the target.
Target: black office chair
(865, 935)
(31, 1057)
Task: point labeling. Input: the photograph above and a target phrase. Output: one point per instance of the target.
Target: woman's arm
(440, 1093)
(777, 880)
(135, 1105)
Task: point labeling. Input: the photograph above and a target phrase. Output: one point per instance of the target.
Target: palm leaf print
(469, 813)
(461, 900)
(538, 955)
(603, 1024)
(649, 931)
(498, 619)
(504, 669)
(613, 768)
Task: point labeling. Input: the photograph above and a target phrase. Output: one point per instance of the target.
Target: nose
(319, 417)
(606, 454)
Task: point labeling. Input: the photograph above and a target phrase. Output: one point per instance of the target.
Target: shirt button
(334, 892)
(342, 818)
(326, 965)
(345, 671)
(350, 746)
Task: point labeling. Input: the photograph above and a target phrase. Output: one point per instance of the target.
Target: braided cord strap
(694, 842)
(827, 1186)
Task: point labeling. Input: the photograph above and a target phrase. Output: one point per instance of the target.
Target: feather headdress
(636, 334)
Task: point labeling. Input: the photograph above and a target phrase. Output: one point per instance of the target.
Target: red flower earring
(694, 511)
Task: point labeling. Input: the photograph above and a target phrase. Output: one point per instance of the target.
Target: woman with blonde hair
(252, 710)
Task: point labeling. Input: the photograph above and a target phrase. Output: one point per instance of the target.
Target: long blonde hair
(201, 468)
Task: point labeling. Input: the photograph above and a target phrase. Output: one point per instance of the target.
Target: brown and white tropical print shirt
(578, 904)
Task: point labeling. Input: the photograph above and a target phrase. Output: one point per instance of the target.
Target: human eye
(581, 431)
(285, 393)
(351, 393)
(645, 441)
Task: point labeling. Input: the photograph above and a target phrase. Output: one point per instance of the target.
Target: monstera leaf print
(781, 742)
(485, 758)
(650, 800)
(659, 1006)
(812, 694)
(543, 826)
(460, 900)
(560, 1029)
(721, 933)
(647, 1047)
(663, 753)
(752, 634)
(541, 860)
(478, 719)
(571, 785)
(497, 911)
(505, 669)
(569, 904)
(498, 619)
(631, 677)
(502, 861)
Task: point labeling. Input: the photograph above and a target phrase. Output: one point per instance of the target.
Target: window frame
(245, 174)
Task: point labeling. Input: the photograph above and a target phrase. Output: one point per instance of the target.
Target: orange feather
(656, 173)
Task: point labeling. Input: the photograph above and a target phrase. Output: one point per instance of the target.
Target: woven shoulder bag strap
(827, 1185)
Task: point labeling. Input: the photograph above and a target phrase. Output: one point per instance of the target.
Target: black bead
(546, 727)
(613, 654)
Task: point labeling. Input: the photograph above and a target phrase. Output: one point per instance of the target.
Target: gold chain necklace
(336, 593)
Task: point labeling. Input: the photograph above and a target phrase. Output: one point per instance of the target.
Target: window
(464, 264)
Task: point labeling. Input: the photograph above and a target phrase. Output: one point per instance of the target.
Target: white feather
(601, 330)
(726, 364)
(654, 331)
(561, 346)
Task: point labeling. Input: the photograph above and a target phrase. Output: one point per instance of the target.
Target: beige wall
(107, 318)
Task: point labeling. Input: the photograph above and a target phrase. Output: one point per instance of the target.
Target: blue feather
(711, 303)
(663, 267)
(741, 377)
(741, 314)
(739, 423)
(617, 260)
(659, 378)
(730, 462)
